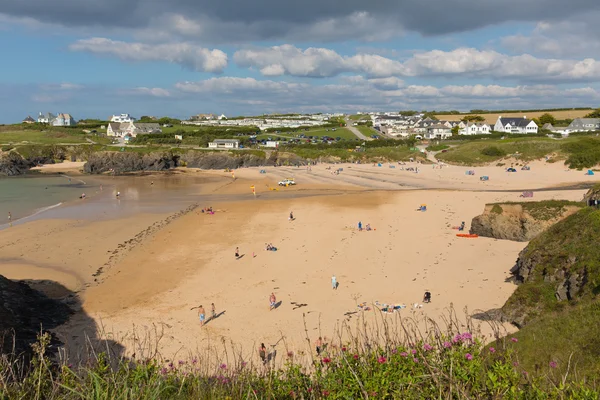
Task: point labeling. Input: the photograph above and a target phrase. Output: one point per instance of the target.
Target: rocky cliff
(13, 164)
(559, 267)
(521, 221)
(24, 312)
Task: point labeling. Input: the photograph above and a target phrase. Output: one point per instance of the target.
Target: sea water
(25, 196)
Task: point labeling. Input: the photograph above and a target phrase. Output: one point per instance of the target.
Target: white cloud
(156, 92)
(185, 54)
(469, 62)
(314, 62)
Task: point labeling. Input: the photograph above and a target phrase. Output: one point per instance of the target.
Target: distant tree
(547, 118)
(473, 118)
(454, 130)
(537, 121)
(594, 114)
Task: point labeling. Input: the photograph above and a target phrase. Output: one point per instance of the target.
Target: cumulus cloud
(321, 62)
(576, 37)
(314, 62)
(188, 55)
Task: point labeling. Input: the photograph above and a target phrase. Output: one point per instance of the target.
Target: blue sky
(185, 57)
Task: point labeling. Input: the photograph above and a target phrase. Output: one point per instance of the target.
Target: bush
(493, 151)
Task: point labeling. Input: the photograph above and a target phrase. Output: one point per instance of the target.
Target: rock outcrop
(558, 267)
(123, 162)
(521, 222)
(12, 164)
(24, 312)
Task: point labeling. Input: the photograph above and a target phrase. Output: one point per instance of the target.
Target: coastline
(190, 259)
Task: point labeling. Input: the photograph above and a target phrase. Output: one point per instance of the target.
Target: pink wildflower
(553, 364)
(413, 351)
(416, 360)
(468, 356)
(427, 347)
(223, 366)
(326, 360)
(404, 354)
(492, 350)
(356, 356)
(381, 360)
(515, 340)
(447, 345)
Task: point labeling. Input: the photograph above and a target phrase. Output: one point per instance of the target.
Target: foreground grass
(451, 365)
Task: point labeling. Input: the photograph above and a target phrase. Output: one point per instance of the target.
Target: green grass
(367, 131)
(358, 117)
(566, 336)
(437, 147)
(479, 152)
(42, 137)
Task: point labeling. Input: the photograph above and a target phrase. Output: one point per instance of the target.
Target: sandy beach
(189, 261)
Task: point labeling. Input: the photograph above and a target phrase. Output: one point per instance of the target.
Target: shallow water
(26, 196)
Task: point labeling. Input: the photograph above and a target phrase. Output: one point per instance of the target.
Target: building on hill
(122, 118)
(200, 117)
(475, 128)
(515, 125)
(224, 144)
(584, 125)
(46, 118)
(129, 130)
(438, 131)
(64, 120)
(29, 120)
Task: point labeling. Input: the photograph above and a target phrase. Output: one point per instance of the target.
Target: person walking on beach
(291, 216)
(262, 352)
(237, 252)
(359, 226)
(213, 311)
(9, 218)
(201, 315)
(272, 301)
(333, 282)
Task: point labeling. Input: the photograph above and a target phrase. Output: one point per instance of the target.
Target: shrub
(493, 151)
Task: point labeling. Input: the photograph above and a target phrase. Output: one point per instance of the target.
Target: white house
(64, 120)
(584, 125)
(46, 118)
(475, 128)
(122, 118)
(224, 144)
(272, 143)
(222, 117)
(515, 125)
(131, 129)
(438, 131)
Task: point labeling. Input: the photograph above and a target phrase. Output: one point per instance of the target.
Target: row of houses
(428, 128)
(263, 122)
(577, 125)
(61, 119)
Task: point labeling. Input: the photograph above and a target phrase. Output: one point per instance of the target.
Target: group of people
(270, 247)
(367, 227)
(208, 210)
(202, 313)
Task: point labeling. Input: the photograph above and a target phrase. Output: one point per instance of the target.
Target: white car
(287, 182)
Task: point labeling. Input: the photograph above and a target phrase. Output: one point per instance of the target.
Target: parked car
(287, 182)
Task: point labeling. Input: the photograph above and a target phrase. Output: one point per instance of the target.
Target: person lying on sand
(368, 227)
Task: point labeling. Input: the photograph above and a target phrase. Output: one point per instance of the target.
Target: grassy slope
(541, 210)
(367, 131)
(470, 153)
(559, 335)
(40, 137)
(341, 132)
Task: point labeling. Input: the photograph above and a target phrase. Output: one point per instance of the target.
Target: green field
(489, 150)
(358, 117)
(367, 131)
(41, 137)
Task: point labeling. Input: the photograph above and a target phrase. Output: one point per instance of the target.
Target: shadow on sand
(30, 306)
